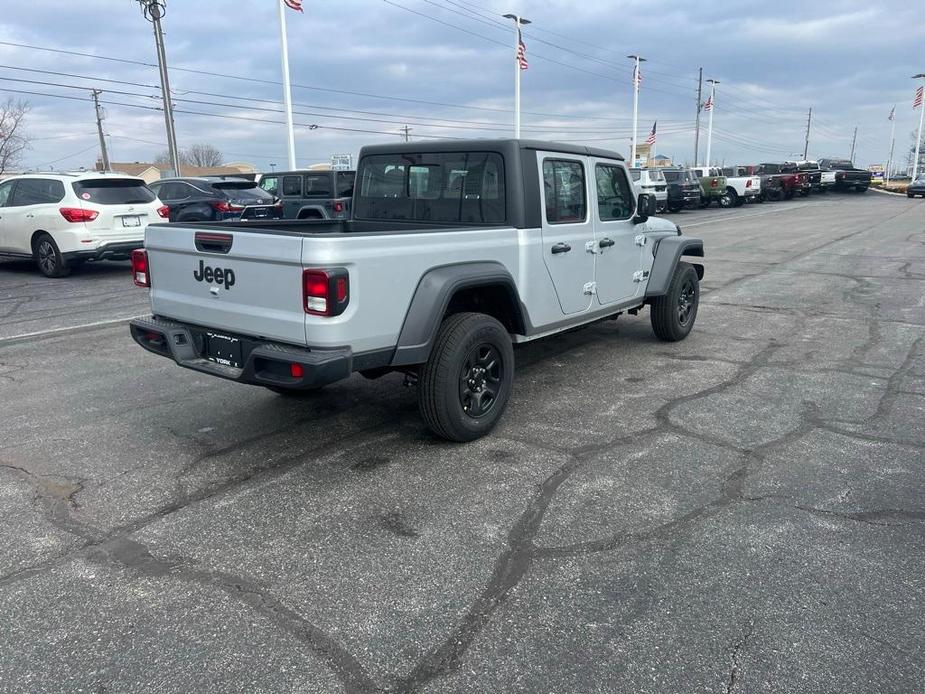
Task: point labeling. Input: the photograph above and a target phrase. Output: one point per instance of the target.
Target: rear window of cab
(113, 191)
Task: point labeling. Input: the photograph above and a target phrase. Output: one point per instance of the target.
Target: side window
(5, 189)
(318, 186)
(614, 196)
(173, 191)
(564, 184)
(292, 185)
(37, 191)
(345, 181)
(270, 184)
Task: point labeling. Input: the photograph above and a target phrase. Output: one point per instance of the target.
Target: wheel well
(496, 300)
(310, 214)
(35, 237)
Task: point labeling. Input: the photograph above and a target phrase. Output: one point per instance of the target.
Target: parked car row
(678, 188)
(61, 220)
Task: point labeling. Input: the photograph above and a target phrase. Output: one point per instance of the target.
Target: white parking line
(729, 218)
(68, 329)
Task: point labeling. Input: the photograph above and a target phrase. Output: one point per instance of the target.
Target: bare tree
(204, 154)
(13, 140)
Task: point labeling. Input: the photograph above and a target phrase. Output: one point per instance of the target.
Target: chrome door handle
(606, 243)
(561, 248)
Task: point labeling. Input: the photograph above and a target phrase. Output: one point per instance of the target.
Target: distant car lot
(739, 512)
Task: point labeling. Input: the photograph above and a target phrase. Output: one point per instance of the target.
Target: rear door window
(292, 186)
(113, 191)
(564, 183)
(318, 186)
(37, 191)
(345, 181)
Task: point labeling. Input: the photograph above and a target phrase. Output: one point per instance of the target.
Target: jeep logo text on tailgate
(218, 275)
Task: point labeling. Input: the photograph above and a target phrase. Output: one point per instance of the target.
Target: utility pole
(889, 163)
(809, 122)
(406, 134)
(637, 78)
(697, 127)
(104, 155)
(854, 141)
(518, 66)
(154, 11)
(918, 140)
(712, 108)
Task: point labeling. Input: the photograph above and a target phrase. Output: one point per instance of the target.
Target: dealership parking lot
(740, 511)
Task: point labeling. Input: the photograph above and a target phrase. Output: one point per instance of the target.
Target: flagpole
(518, 21)
(713, 84)
(287, 90)
(637, 60)
(918, 140)
(889, 164)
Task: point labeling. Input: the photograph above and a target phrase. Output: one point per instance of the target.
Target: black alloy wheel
(480, 380)
(48, 258)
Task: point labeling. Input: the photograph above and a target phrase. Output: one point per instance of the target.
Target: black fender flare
(312, 208)
(668, 254)
(432, 298)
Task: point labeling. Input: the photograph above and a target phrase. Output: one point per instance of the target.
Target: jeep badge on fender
(218, 275)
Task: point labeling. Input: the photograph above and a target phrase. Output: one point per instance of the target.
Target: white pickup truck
(739, 188)
(456, 251)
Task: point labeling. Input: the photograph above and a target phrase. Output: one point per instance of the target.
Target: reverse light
(140, 275)
(163, 211)
(78, 214)
(325, 292)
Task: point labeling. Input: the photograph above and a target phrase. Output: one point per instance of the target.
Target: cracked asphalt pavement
(739, 512)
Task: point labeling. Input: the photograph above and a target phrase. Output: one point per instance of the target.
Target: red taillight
(140, 274)
(163, 211)
(325, 292)
(338, 206)
(748, 183)
(223, 206)
(714, 183)
(78, 214)
(296, 370)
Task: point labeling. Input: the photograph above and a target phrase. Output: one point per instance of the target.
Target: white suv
(652, 181)
(61, 220)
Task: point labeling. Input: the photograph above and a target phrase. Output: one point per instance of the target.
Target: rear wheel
(48, 258)
(674, 208)
(466, 383)
(673, 314)
(788, 195)
(729, 199)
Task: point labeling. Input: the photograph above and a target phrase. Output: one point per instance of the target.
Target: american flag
(637, 76)
(294, 5)
(521, 51)
(892, 113)
(918, 97)
(708, 105)
(651, 139)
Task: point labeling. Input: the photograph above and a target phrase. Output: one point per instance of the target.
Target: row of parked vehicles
(62, 220)
(678, 188)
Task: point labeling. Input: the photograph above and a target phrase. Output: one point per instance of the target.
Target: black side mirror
(645, 208)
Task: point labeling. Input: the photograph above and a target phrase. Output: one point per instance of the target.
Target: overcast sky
(445, 67)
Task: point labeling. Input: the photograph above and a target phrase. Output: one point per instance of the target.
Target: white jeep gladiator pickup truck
(457, 250)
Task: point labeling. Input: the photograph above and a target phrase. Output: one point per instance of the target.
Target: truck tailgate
(229, 279)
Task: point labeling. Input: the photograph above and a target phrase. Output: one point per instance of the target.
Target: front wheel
(465, 385)
(48, 258)
(673, 314)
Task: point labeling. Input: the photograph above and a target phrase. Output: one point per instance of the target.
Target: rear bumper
(265, 363)
(110, 251)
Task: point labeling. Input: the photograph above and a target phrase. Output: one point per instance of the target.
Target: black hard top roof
(302, 172)
(505, 144)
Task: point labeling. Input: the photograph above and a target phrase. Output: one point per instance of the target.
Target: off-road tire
(443, 384)
(668, 317)
(48, 258)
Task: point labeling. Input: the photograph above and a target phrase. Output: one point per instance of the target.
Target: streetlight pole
(918, 140)
(637, 78)
(713, 84)
(154, 11)
(699, 108)
(518, 22)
